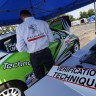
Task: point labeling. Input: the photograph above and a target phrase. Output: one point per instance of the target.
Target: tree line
(83, 14)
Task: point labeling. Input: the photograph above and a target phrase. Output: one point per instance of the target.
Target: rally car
(16, 73)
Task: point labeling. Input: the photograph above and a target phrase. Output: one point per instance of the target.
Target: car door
(14, 65)
(63, 51)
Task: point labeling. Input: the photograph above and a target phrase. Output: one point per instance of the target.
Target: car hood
(3, 54)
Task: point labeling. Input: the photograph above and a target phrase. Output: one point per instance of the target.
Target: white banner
(80, 76)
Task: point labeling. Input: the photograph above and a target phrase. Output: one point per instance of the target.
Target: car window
(56, 35)
(63, 34)
(60, 34)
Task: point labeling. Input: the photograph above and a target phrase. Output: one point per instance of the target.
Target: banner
(80, 76)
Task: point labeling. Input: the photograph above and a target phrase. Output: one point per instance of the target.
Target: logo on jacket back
(34, 33)
(33, 28)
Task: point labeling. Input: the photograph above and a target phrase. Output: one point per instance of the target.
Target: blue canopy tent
(42, 9)
(91, 18)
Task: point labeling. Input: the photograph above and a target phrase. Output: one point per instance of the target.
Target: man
(34, 37)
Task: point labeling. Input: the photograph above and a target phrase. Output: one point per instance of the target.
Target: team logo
(33, 28)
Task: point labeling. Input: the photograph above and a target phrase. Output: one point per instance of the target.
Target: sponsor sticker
(16, 65)
(67, 42)
(30, 78)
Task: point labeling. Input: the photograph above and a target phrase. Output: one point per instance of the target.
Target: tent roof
(42, 9)
(91, 18)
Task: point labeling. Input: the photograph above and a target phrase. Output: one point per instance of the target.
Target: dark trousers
(39, 60)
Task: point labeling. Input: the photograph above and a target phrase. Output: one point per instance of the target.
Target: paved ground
(85, 32)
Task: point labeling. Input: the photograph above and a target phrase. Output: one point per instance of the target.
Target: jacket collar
(28, 18)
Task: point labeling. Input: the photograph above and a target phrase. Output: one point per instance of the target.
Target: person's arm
(21, 45)
(49, 33)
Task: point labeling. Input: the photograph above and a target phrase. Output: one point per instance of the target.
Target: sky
(77, 14)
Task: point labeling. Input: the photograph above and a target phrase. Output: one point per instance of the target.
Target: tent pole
(95, 14)
(31, 7)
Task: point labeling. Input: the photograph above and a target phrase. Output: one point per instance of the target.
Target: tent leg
(95, 14)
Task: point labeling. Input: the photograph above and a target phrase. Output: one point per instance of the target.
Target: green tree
(91, 12)
(83, 15)
(71, 18)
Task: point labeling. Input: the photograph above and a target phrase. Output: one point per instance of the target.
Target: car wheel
(8, 90)
(76, 47)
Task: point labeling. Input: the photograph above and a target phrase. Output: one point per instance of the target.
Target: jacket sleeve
(21, 45)
(49, 33)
